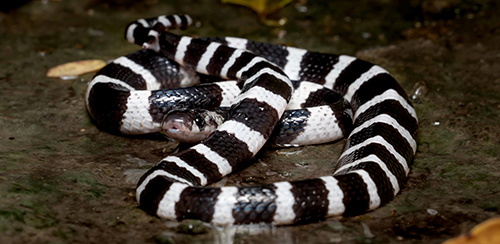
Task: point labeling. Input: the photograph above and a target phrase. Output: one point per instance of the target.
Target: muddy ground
(64, 181)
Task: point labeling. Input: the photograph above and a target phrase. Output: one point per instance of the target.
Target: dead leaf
(263, 8)
(76, 68)
(484, 233)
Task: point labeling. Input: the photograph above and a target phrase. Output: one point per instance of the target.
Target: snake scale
(130, 96)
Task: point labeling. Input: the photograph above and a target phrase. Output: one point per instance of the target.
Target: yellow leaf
(484, 233)
(76, 68)
(263, 8)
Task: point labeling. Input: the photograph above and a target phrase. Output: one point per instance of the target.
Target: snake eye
(200, 121)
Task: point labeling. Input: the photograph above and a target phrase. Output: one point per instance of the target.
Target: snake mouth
(180, 126)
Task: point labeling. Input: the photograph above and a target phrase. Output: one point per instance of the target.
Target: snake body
(370, 172)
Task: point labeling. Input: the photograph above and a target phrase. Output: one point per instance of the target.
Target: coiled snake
(129, 96)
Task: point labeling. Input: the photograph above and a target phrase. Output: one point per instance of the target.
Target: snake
(134, 94)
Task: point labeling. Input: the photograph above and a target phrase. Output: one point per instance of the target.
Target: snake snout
(181, 126)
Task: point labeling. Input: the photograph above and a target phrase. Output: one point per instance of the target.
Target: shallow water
(62, 180)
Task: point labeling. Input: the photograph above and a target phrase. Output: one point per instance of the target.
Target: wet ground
(64, 181)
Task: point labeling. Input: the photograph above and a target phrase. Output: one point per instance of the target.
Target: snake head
(190, 126)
